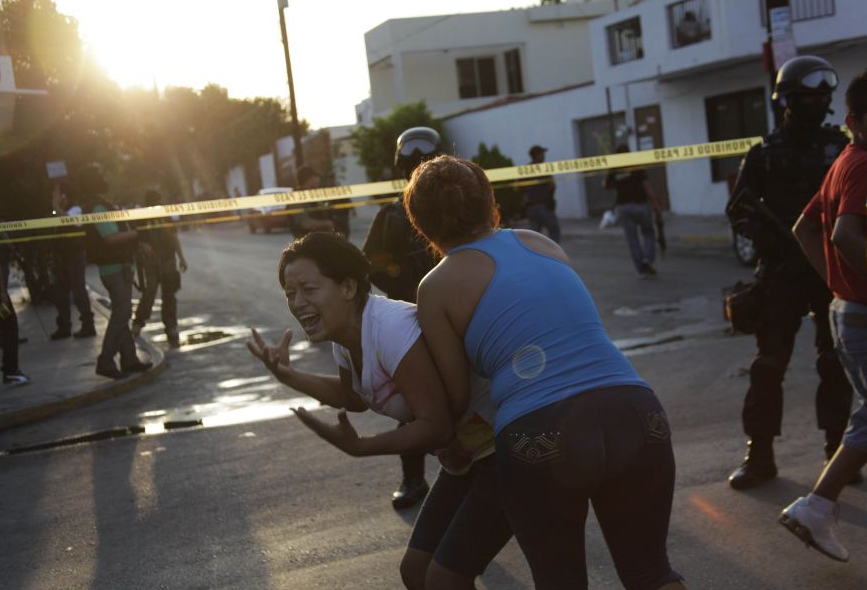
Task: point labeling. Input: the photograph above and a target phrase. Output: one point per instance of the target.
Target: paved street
(250, 503)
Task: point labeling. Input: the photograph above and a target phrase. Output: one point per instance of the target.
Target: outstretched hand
(275, 358)
(342, 435)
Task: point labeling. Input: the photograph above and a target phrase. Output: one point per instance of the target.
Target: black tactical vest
(793, 168)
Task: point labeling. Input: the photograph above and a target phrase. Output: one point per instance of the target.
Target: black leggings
(609, 446)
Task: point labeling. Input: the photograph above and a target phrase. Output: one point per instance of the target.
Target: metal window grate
(689, 22)
(624, 41)
(804, 10)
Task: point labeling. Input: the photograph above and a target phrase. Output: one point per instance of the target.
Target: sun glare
(113, 37)
(237, 44)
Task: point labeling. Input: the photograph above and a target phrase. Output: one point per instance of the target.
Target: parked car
(263, 218)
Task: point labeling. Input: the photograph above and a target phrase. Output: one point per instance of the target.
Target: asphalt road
(264, 504)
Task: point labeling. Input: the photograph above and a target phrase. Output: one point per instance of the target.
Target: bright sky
(237, 44)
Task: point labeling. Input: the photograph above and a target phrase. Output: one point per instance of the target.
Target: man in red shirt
(833, 234)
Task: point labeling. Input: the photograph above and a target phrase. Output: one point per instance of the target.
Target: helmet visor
(820, 80)
(423, 146)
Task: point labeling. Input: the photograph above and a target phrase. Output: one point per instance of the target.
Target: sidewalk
(62, 372)
(689, 231)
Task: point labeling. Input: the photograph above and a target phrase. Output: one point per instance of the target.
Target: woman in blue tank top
(575, 424)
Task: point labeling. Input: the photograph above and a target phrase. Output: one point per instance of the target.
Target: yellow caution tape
(716, 149)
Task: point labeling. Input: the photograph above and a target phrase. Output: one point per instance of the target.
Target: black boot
(758, 465)
(60, 334)
(86, 331)
(413, 488)
(832, 443)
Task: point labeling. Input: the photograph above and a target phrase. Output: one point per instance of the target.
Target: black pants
(784, 303)
(69, 273)
(117, 338)
(9, 341)
(166, 277)
(610, 447)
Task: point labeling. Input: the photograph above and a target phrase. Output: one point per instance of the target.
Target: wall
(552, 120)
(235, 179)
(268, 170)
(554, 42)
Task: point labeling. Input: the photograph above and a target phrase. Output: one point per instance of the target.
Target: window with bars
(477, 76)
(514, 79)
(689, 22)
(624, 41)
(804, 10)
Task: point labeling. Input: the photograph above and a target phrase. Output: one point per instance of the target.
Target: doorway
(598, 136)
(648, 136)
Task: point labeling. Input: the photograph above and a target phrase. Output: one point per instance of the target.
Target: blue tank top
(535, 332)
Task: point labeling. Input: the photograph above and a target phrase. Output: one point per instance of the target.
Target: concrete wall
(235, 179)
(268, 170)
(345, 164)
(382, 84)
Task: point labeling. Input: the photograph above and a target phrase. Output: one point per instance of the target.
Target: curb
(686, 240)
(109, 390)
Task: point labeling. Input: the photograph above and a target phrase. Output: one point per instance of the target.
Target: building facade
(662, 73)
(456, 62)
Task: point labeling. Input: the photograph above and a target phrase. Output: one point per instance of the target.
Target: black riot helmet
(806, 74)
(414, 146)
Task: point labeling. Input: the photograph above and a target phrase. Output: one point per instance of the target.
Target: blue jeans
(632, 217)
(849, 328)
(540, 216)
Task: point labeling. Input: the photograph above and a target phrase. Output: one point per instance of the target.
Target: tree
(375, 145)
(141, 139)
(544, 2)
(73, 121)
(168, 141)
(509, 199)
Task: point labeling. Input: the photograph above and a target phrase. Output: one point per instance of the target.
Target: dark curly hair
(334, 256)
(448, 200)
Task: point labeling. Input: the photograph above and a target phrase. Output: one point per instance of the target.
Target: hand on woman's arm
(419, 383)
(330, 390)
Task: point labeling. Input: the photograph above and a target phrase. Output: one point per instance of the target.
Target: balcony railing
(804, 10)
(624, 41)
(689, 22)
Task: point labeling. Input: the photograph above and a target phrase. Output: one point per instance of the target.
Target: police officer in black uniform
(777, 178)
(399, 259)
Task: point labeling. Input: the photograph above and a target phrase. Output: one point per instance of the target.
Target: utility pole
(296, 128)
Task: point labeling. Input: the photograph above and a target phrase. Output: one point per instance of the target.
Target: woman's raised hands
(275, 358)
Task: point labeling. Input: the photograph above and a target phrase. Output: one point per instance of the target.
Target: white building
(455, 62)
(658, 78)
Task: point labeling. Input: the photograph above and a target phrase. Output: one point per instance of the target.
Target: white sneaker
(812, 520)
